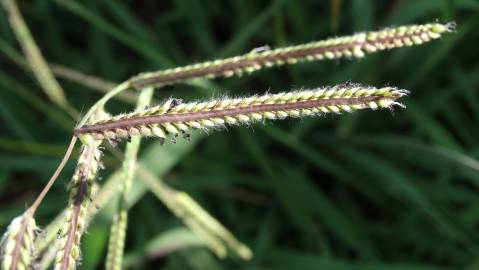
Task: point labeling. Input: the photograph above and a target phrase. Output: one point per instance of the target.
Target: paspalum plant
(22, 247)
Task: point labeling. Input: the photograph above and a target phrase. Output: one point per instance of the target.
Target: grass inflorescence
(354, 46)
(174, 117)
(75, 215)
(17, 246)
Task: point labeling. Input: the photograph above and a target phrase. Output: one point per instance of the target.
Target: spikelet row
(174, 117)
(354, 46)
(75, 216)
(116, 245)
(18, 244)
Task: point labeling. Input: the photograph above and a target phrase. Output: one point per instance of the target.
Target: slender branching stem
(120, 219)
(219, 239)
(68, 73)
(99, 105)
(19, 252)
(35, 59)
(55, 175)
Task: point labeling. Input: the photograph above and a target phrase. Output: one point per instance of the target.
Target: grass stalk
(55, 175)
(19, 247)
(68, 73)
(35, 59)
(37, 102)
(218, 239)
(120, 219)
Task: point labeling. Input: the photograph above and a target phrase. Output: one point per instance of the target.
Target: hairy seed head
(172, 117)
(75, 215)
(354, 46)
(18, 244)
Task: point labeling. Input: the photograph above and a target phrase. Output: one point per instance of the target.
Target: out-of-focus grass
(372, 190)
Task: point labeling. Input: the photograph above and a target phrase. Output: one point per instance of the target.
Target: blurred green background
(370, 190)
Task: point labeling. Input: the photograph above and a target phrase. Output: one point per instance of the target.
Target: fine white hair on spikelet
(17, 245)
(354, 46)
(172, 117)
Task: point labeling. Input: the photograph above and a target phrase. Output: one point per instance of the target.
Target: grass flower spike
(17, 251)
(174, 117)
(354, 46)
(75, 215)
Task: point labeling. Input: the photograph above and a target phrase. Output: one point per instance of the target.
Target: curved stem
(45, 190)
(100, 103)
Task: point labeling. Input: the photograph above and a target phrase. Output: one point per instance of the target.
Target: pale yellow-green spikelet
(118, 228)
(17, 245)
(202, 221)
(353, 46)
(178, 118)
(218, 239)
(75, 216)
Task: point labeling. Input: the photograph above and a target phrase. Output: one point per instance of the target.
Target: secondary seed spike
(353, 46)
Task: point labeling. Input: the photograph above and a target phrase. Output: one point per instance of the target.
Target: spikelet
(172, 117)
(75, 216)
(17, 251)
(354, 46)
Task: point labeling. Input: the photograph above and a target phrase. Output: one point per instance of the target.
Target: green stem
(35, 59)
(120, 219)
